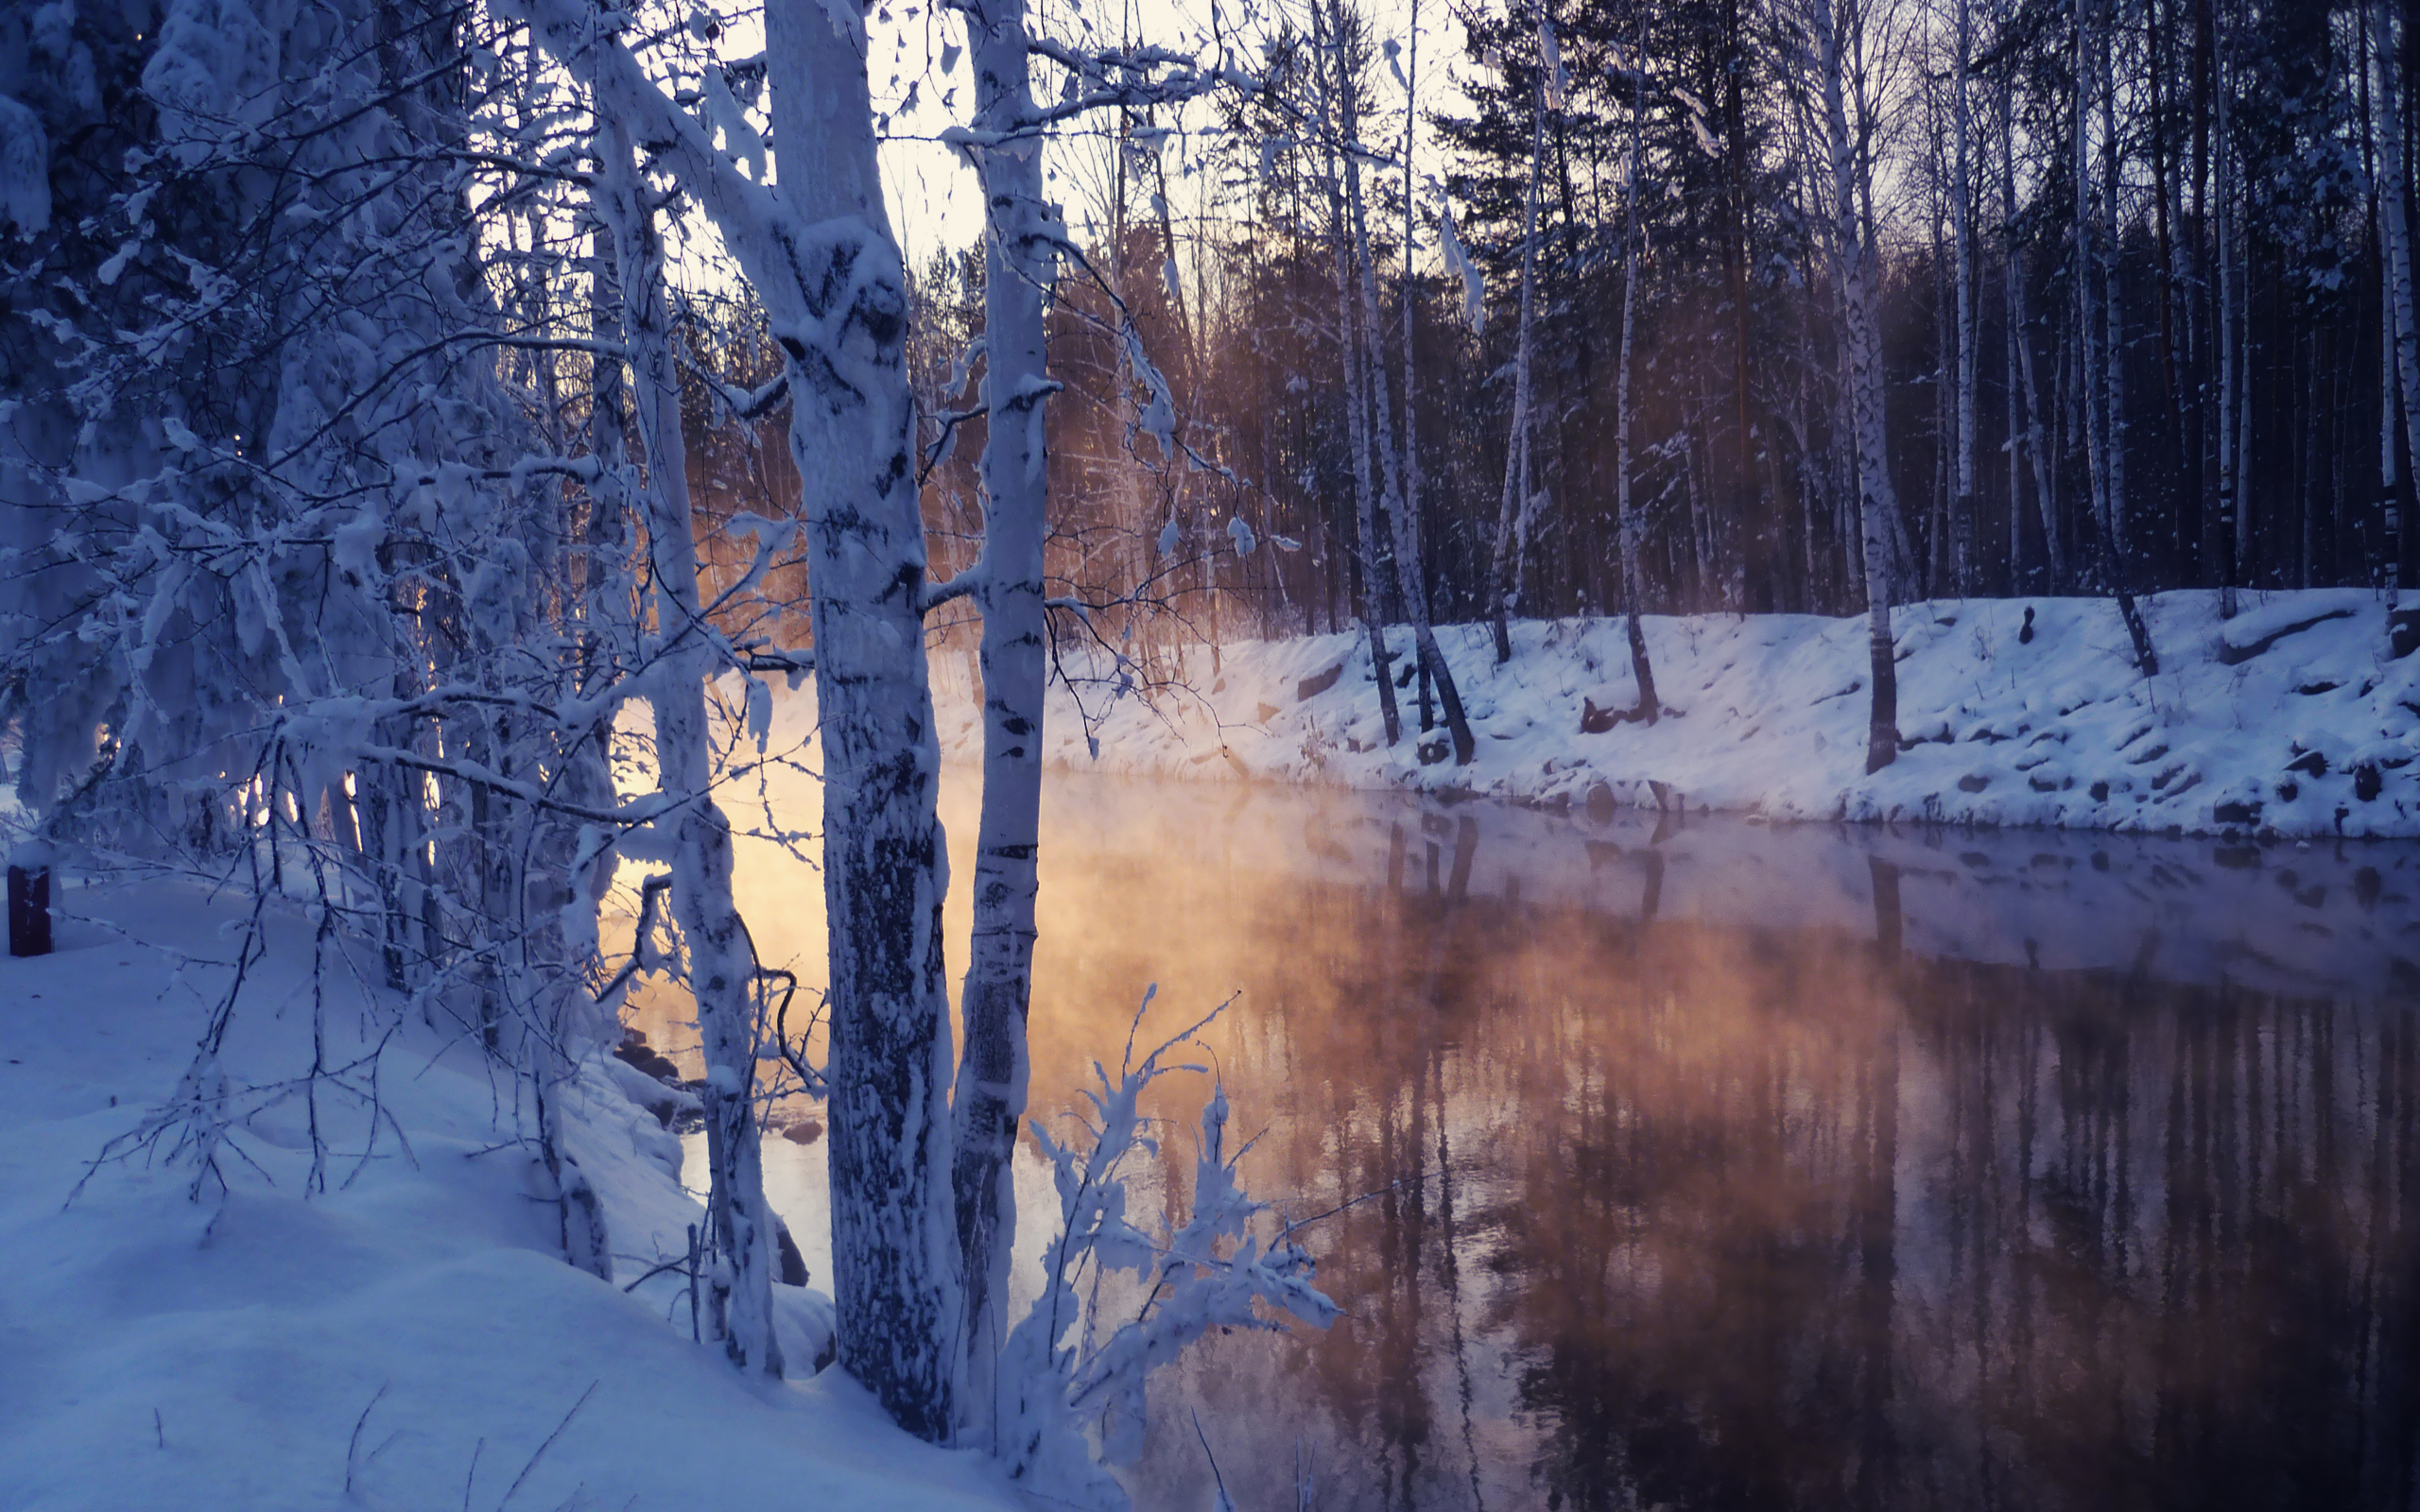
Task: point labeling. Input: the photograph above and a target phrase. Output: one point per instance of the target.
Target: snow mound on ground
(410, 1338)
(2290, 718)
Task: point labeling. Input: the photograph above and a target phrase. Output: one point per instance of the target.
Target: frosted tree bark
(2394, 234)
(820, 256)
(1878, 504)
(723, 967)
(852, 435)
(1020, 253)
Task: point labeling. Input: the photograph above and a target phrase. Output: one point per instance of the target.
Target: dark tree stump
(28, 910)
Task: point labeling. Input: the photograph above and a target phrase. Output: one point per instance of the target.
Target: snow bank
(2292, 718)
(410, 1338)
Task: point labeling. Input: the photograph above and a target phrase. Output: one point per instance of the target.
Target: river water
(1706, 1164)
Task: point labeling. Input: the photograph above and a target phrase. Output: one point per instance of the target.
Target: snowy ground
(409, 1339)
(2289, 718)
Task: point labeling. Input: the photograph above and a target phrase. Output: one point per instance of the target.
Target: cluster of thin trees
(1766, 305)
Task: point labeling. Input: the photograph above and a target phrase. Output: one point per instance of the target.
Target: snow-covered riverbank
(409, 1339)
(2290, 718)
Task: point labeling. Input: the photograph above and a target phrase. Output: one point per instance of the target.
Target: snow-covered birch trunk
(2394, 236)
(1021, 240)
(885, 870)
(1512, 513)
(1861, 335)
(820, 253)
(721, 966)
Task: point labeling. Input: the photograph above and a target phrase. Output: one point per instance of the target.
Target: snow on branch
(1214, 1270)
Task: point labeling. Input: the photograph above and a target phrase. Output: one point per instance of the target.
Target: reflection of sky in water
(2097, 1192)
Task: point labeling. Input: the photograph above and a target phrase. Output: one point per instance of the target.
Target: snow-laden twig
(1214, 1270)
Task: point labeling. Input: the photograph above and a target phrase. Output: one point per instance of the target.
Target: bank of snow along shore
(2293, 717)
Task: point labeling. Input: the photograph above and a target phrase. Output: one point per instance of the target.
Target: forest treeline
(2140, 273)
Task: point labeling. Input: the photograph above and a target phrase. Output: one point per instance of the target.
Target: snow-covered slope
(407, 1340)
(2291, 717)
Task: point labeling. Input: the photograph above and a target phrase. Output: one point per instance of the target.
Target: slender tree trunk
(1626, 519)
(723, 966)
(2103, 348)
(2394, 234)
(2020, 337)
(1512, 515)
(2232, 517)
(1020, 254)
(1375, 595)
(1410, 573)
(1961, 230)
(1861, 337)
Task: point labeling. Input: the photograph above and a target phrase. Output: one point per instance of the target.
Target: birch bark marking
(820, 253)
(1020, 254)
(1879, 503)
(723, 967)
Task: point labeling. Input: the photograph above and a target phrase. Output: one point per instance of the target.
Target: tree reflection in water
(1714, 1215)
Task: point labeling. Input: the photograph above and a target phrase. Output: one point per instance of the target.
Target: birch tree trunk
(1961, 231)
(2113, 393)
(1411, 565)
(2394, 234)
(2232, 518)
(1861, 336)
(1020, 255)
(820, 254)
(1504, 571)
(723, 967)
(2021, 341)
(1400, 483)
(1626, 519)
(1328, 39)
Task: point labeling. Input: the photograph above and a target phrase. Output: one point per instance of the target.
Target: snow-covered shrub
(1057, 1397)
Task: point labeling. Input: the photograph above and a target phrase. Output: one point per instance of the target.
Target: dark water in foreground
(1717, 1166)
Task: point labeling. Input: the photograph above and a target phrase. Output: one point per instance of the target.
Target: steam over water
(1714, 1165)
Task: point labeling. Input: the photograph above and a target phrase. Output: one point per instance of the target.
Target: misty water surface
(1718, 1165)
